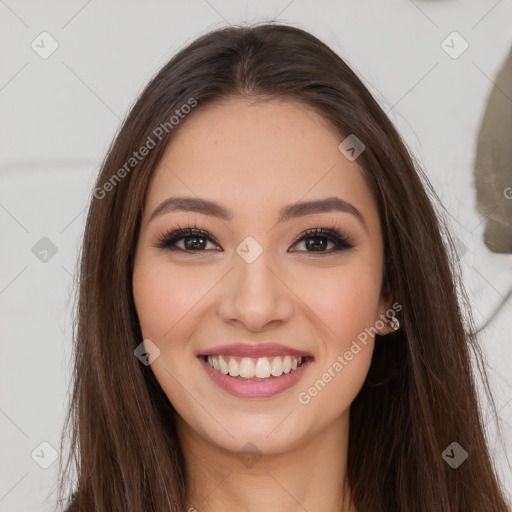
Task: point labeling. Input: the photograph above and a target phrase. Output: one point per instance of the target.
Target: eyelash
(334, 234)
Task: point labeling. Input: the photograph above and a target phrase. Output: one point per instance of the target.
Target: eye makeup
(332, 233)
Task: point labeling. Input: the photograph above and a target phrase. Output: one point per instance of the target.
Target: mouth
(250, 377)
(255, 369)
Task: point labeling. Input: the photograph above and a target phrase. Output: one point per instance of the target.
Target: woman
(267, 315)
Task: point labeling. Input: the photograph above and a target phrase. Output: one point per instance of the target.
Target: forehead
(254, 155)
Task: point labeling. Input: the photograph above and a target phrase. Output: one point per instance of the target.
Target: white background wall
(58, 115)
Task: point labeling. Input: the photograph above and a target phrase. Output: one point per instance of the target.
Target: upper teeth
(259, 367)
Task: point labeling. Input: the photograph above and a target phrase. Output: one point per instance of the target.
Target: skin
(255, 158)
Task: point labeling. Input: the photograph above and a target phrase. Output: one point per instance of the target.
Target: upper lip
(256, 351)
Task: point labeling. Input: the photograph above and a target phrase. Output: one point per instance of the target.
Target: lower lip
(255, 389)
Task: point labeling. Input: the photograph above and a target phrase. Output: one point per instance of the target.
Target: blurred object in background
(493, 170)
(493, 163)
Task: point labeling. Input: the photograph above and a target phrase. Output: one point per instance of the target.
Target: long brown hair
(420, 393)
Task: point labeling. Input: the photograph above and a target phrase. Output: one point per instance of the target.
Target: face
(256, 269)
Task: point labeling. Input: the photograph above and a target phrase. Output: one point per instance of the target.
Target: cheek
(346, 307)
(150, 300)
(164, 295)
(345, 300)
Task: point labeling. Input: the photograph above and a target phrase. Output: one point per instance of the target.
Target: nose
(255, 295)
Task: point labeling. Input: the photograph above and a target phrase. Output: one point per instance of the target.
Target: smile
(249, 368)
(248, 377)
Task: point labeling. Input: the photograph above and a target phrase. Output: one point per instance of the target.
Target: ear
(381, 322)
(385, 304)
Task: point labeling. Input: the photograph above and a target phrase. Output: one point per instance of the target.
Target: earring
(393, 323)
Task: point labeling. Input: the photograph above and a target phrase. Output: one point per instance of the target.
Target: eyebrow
(291, 211)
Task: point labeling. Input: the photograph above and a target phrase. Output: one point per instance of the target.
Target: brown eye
(316, 240)
(194, 240)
